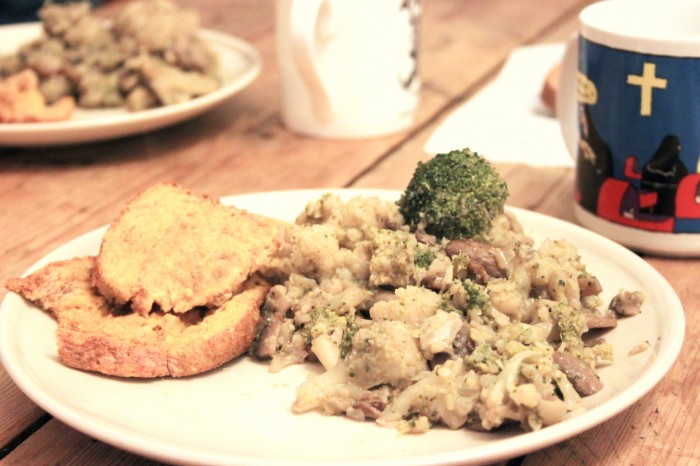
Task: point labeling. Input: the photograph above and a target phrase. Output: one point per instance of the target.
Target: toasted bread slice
(171, 250)
(95, 337)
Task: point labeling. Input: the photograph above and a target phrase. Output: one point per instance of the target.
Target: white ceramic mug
(348, 68)
(629, 107)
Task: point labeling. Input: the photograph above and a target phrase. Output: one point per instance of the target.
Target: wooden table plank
(75, 448)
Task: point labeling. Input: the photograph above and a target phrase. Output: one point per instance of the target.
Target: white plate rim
(494, 451)
(123, 124)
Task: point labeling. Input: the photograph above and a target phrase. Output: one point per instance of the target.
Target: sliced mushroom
(425, 238)
(463, 345)
(433, 282)
(380, 295)
(483, 259)
(265, 343)
(594, 320)
(581, 376)
(277, 304)
(370, 407)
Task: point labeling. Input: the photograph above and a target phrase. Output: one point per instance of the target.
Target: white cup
(348, 68)
(629, 109)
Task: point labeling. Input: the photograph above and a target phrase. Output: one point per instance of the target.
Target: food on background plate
(149, 56)
(415, 328)
(95, 334)
(22, 102)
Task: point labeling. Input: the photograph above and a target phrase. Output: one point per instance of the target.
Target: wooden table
(51, 195)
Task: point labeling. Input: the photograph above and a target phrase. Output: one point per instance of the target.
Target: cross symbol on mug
(647, 82)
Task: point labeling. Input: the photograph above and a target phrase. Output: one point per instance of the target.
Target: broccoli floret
(477, 296)
(424, 256)
(392, 260)
(328, 334)
(484, 359)
(454, 195)
(323, 322)
(571, 324)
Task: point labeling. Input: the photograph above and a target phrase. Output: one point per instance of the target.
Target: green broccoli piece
(424, 256)
(325, 321)
(477, 294)
(484, 359)
(454, 195)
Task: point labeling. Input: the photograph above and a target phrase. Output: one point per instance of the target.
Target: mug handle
(307, 17)
(566, 106)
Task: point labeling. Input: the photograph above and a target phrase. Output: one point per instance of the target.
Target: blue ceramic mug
(629, 106)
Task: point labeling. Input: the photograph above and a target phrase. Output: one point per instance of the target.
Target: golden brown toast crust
(172, 250)
(93, 337)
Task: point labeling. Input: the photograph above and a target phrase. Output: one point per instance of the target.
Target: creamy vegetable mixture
(150, 55)
(413, 331)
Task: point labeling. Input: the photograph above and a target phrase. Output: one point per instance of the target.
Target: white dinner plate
(239, 65)
(241, 413)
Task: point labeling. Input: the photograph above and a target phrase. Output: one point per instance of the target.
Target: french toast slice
(171, 250)
(94, 336)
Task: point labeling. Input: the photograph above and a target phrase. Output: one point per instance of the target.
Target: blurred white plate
(240, 64)
(241, 413)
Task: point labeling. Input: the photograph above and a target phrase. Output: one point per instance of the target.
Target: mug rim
(669, 244)
(607, 23)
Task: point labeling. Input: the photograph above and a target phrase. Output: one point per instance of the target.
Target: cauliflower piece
(386, 352)
(507, 233)
(555, 268)
(355, 218)
(332, 392)
(393, 258)
(413, 306)
(506, 297)
(315, 251)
